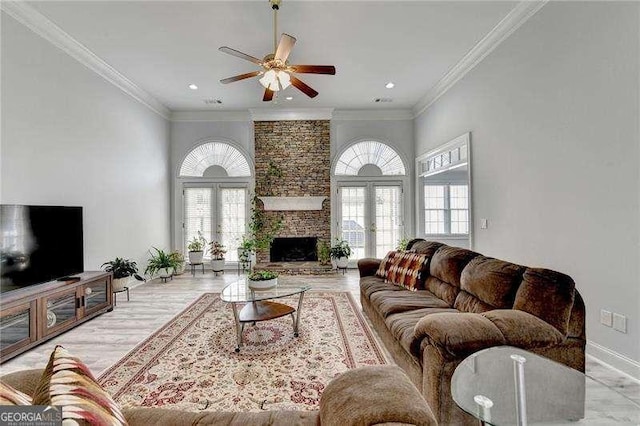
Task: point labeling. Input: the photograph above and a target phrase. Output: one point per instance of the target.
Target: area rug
(190, 363)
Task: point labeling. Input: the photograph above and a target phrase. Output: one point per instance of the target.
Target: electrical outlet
(620, 323)
(484, 223)
(606, 318)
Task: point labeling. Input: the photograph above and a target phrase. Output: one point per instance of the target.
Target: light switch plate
(606, 318)
(620, 323)
(484, 223)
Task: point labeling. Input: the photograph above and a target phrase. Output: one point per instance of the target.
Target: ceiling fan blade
(284, 47)
(314, 69)
(240, 55)
(240, 77)
(268, 95)
(300, 85)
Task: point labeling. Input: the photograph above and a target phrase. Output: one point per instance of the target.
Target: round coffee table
(259, 305)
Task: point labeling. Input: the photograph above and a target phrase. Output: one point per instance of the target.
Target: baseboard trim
(614, 360)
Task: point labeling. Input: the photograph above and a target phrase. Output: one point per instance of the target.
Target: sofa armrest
(368, 266)
(373, 395)
(25, 381)
(458, 335)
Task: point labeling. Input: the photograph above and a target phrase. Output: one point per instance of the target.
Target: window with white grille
(374, 153)
(446, 209)
(215, 155)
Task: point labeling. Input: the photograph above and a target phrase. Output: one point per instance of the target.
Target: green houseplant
(122, 269)
(262, 280)
(217, 252)
(160, 262)
(340, 253)
(324, 253)
(246, 252)
(196, 247)
(402, 244)
(178, 257)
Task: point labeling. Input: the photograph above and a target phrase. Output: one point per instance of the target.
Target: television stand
(34, 314)
(69, 278)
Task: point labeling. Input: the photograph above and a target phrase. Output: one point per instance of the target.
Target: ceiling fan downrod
(275, 5)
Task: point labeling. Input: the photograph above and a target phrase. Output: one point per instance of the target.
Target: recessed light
(193, 87)
(389, 85)
(289, 98)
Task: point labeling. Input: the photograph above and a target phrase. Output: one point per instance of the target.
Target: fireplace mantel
(292, 203)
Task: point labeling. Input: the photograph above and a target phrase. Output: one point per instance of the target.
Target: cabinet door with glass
(17, 327)
(60, 310)
(95, 296)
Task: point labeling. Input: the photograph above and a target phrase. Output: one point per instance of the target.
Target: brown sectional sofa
(380, 395)
(471, 302)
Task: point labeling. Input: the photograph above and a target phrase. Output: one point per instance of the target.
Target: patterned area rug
(190, 363)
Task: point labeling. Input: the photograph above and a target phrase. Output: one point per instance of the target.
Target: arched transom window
(215, 159)
(369, 159)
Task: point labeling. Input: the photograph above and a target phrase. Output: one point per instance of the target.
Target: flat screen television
(39, 244)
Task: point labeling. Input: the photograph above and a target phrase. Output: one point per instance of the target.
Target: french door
(370, 217)
(219, 213)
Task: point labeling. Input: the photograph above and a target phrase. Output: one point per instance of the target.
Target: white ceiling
(163, 46)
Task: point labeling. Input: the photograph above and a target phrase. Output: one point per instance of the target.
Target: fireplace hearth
(294, 249)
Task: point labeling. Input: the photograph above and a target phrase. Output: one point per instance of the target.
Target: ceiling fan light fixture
(275, 80)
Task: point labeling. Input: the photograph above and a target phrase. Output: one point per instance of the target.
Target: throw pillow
(383, 269)
(11, 396)
(67, 382)
(407, 270)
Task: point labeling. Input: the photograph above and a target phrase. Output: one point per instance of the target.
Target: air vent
(382, 100)
(212, 101)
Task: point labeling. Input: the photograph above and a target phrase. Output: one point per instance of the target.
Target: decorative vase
(262, 284)
(195, 257)
(120, 283)
(342, 262)
(217, 265)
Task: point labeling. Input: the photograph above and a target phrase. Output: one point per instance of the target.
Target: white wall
(553, 114)
(71, 138)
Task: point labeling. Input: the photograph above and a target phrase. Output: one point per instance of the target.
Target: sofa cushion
(67, 382)
(385, 265)
(401, 327)
(407, 270)
(425, 247)
(491, 281)
(11, 396)
(445, 269)
(371, 284)
(547, 294)
(392, 302)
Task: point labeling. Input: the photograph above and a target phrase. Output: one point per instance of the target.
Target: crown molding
(507, 26)
(39, 24)
(372, 114)
(210, 116)
(281, 114)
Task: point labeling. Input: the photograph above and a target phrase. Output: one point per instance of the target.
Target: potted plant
(179, 259)
(122, 270)
(196, 247)
(161, 263)
(217, 252)
(262, 280)
(402, 244)
(340, 252)
(324, 254)
(246, 252)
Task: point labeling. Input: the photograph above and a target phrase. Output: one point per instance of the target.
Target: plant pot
(342, 262)
(217, 265)
(120, 283)
(262, 284)
(165, 272)
(195, 257)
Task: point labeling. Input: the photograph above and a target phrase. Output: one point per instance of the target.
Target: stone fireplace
(300, 150)
(294, 249)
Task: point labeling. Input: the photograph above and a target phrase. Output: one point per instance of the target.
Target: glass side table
(510, 386)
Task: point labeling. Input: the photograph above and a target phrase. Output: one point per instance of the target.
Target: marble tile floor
(104, 340)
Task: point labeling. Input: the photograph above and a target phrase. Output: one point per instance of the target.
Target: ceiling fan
(276, 72)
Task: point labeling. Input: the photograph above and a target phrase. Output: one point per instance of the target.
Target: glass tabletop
(240, 292)
(484, 385)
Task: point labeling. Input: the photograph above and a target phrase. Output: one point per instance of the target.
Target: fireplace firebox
(294, 249)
